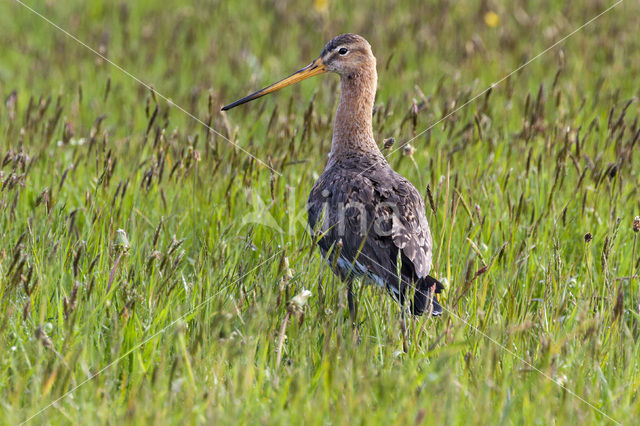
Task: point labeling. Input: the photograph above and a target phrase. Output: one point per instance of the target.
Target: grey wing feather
(411, 232)
(375, 216)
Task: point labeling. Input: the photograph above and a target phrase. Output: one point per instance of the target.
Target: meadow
(148, 263)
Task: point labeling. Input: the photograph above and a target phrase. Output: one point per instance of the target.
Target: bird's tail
(425, 297)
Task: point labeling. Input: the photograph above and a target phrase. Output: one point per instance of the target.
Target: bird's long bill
(314, 68)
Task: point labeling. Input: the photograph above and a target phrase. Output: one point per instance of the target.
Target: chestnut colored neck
(353, 130)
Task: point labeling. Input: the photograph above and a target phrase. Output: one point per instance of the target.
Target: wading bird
(371, 220)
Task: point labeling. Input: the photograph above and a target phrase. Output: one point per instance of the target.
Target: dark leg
(353, 311)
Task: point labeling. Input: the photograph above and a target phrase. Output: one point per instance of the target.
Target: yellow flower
(320, 5)
(491, 19)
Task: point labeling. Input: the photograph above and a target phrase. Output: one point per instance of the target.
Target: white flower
(297, 304)
(122, 242)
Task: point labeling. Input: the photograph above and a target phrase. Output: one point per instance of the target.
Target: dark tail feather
(423, 297)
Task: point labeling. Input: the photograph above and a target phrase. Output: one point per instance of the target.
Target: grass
(187, 311)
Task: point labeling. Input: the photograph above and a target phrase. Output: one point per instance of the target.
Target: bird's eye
(343, 51)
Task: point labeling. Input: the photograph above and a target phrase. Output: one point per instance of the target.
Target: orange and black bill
(314, 68)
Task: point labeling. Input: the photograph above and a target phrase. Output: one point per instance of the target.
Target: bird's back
(372, 221)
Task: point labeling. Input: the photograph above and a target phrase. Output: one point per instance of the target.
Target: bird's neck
(353, 131)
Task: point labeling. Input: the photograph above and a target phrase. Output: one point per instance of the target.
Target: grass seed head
(408, 150)
(636, 224)
(42, 336)
(388, 143)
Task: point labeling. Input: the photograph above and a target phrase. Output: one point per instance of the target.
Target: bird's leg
(353, 311)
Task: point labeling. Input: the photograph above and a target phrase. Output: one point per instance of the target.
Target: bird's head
(347, 55)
